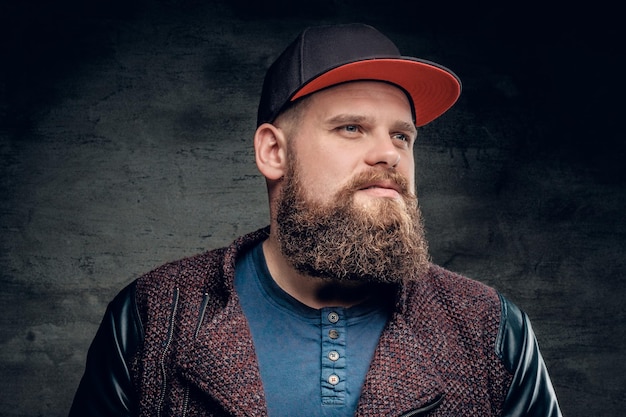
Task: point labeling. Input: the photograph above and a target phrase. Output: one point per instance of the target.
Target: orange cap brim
(431, 90)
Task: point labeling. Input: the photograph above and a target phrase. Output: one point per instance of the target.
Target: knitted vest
(437, 353)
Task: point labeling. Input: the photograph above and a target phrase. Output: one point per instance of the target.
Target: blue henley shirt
(312, 362)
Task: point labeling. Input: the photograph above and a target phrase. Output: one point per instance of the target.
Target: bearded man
(335, 308)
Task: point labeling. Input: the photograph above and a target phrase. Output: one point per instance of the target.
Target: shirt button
(333, 379)
(333, 317)
(333, 334)
(333, 355)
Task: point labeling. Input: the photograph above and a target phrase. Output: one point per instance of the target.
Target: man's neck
(312, 291)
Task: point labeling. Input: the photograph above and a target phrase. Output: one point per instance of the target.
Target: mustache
(366, 178)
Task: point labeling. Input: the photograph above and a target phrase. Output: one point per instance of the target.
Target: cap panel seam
(302, 57)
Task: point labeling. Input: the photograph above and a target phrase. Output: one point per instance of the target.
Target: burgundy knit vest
(198, 358)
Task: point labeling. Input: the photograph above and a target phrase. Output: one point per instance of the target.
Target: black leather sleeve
(106, 387)
(531, 393)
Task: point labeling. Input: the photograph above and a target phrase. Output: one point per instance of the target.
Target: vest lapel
(402, 374)
(222, 364)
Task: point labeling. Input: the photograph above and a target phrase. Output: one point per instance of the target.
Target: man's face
(353, 128)
(347, 208)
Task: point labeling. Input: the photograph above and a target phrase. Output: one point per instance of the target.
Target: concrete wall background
(126, 142)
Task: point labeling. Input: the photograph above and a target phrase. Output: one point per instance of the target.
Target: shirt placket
(333, 360)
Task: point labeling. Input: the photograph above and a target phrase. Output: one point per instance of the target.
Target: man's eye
(351, 128)
(401, 136)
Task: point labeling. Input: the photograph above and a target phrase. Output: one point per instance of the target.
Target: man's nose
(383, 152)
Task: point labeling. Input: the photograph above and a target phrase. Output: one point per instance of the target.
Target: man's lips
(388, 185)
(382, 189)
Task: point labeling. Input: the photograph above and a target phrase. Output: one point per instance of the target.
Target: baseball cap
(325, 56)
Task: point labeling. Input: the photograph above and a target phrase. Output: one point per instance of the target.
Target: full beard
(381, 242)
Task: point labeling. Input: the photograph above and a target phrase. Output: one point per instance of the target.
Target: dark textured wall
(126, 142)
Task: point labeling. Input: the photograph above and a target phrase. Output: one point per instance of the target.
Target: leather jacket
(107, 387)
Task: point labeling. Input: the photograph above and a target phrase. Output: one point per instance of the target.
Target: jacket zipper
(205, 302)
(168, 342)
(425, 409)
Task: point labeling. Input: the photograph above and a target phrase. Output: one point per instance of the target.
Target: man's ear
(270, 151)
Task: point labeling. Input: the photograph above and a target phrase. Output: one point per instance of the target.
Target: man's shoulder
(443, 278)
(455, 293)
